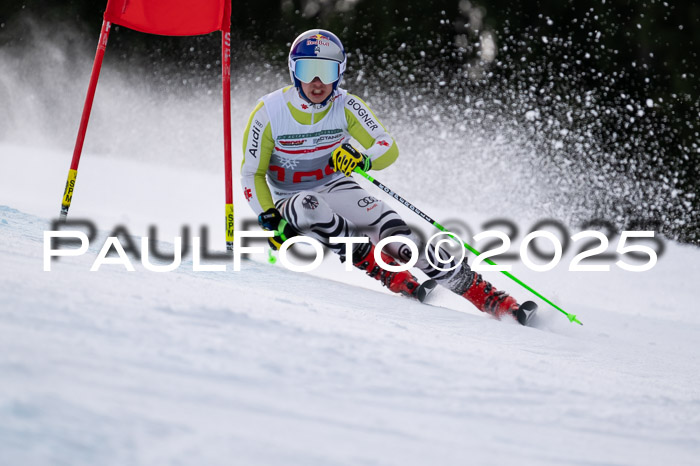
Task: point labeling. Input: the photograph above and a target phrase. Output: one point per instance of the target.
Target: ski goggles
(306, 69)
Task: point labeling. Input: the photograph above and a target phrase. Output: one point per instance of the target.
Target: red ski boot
(483, 295)
(398, 282)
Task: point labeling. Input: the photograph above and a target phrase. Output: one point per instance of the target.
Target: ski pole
(412, 208)
(271, 257)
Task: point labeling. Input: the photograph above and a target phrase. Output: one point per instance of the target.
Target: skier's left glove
(345, 158)
(272, 220)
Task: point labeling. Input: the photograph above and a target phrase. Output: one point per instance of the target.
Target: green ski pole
(414, 209)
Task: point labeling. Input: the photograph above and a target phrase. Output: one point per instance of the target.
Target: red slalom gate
(168, 18)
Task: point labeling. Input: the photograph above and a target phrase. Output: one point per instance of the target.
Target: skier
(296, 176)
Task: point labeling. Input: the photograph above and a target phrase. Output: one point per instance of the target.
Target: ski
(525, 312)
(523, 315)
(425, 289)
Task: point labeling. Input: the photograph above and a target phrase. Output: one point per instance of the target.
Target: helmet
(317, 53)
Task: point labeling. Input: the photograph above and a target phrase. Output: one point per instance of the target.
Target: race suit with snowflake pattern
(288, 142)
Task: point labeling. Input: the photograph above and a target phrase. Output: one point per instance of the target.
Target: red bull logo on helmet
(319, 39)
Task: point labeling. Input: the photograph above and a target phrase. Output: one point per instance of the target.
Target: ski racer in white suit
(297, 165)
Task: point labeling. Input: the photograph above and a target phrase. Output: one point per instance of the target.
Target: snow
(532, 115)
(268, 366)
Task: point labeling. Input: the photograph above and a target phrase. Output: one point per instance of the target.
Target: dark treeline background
(645, 39)
(637, 56)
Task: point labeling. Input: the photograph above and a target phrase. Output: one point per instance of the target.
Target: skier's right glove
(272, 220)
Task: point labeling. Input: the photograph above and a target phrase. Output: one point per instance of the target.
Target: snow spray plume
(534, 122)
(544, 149)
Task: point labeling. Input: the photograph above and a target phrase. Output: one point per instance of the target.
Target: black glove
(345, 158)
(272, 220)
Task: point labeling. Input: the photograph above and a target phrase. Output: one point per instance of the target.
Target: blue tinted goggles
(309, 68)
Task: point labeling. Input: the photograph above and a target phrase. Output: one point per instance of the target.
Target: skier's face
(316, 91)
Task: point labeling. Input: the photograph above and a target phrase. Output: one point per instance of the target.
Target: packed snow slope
(268, 366)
